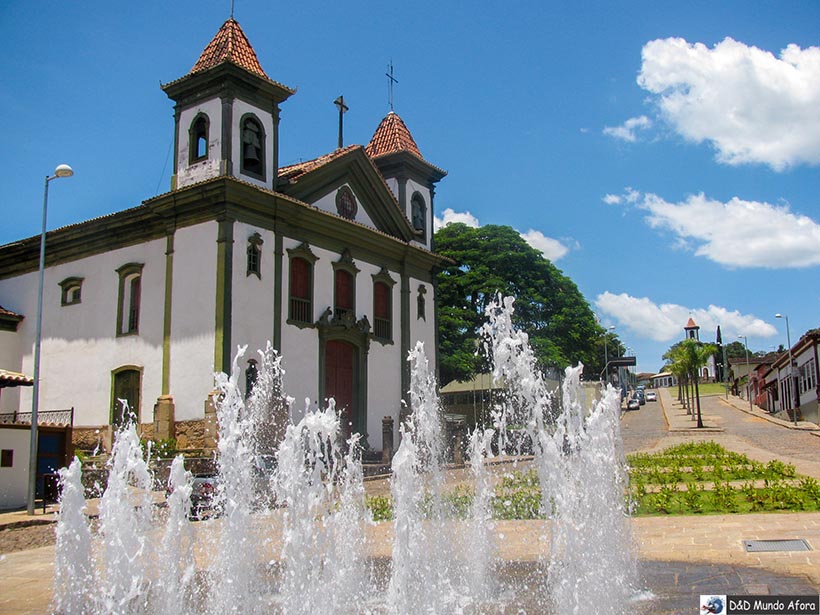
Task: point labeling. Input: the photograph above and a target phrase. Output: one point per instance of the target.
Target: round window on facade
(346, 203)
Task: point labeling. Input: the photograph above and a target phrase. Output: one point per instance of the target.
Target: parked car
(633, 404)
(640, 396)
(651, 396)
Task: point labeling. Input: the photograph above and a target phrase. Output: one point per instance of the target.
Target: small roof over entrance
(14, 379)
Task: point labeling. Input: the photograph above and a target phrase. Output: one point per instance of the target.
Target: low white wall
(14, 480)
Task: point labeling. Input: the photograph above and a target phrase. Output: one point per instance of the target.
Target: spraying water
(444, 559)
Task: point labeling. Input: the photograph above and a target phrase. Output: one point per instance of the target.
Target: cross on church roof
(390, 81)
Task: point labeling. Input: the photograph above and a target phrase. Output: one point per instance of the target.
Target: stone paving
(679, 557)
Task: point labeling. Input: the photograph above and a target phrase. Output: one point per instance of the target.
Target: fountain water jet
(439, 564)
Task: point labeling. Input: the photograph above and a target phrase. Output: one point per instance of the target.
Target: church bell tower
(226, 115)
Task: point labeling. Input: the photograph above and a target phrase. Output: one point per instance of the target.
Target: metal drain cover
(797, 544)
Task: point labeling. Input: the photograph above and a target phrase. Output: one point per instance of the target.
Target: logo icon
(712, 605)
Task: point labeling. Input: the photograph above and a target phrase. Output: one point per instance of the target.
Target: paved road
(644, 428)
(759, 432)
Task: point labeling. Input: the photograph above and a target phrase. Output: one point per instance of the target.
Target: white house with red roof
(330, 259)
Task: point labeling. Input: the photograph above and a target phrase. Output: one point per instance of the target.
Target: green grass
(689, 479)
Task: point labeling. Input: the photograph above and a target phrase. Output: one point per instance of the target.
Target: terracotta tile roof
(5, 312)
(230, 45)
(294, 171)
(691, 324)
(392, 136)
(14, 379)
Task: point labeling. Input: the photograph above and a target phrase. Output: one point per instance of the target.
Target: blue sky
(664, 155)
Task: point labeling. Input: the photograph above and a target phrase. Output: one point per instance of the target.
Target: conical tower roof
(691, 324)
(230, 45)
(392, 136)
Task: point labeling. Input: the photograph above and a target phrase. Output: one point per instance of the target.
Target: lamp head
(778, 315)
(63, 170)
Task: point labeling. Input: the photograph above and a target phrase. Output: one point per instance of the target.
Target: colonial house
(330, 260)
(799, 387)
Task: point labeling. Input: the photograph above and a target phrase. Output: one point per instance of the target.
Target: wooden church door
(339, 375)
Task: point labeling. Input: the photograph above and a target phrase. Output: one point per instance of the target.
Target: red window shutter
(381, 302)
(299, 278)
(344, 290)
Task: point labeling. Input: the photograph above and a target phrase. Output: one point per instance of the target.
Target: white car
(651, 396)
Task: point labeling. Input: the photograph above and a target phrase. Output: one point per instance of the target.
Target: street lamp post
(748, 370)
(62, 170)
(792, 370)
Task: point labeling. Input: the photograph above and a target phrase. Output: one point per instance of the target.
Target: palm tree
(695, 355)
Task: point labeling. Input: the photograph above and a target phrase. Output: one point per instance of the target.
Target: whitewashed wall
(186, 172)
(79, 344)
(192, 319)
(423, 330)
(10, 359)
(14, 480)
(252, 309)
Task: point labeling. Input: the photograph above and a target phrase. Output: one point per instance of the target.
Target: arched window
(251, 375)
(198, 135)
(253, 147)
(255, 255)
(419, 214)
(346, 203)
(125, 395)
(129, 297)
(71, 291)
(421, 303)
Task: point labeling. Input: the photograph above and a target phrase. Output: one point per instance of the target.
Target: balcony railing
(44, 417)
(300, 310)
(381, 328)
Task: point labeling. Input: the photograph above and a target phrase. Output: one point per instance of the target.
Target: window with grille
(254, 253)
(382, 326)
(301, 292)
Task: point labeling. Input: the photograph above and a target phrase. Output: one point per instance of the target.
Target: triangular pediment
(318, 181)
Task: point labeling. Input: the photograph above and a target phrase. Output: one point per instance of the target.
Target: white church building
(330, 259)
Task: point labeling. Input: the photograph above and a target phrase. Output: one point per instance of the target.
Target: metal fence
(44, 417)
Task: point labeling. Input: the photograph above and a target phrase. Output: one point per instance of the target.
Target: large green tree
(495, 259)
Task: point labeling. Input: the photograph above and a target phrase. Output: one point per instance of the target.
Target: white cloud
(450, 216)
(751, 106)
(613, 199)
(737, 233)
(665, 322)
(627, 131)
(552, 249)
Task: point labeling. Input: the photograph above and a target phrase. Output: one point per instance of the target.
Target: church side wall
(10, 359)
(384, 363)
(423, 329)
(300, 346)
(253, 297)
(192, 319)
(80, 348)
(191, 173)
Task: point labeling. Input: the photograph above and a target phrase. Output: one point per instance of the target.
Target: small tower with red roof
(411, 178)
(226, 114)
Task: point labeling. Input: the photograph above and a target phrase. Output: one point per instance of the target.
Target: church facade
(330, 260)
